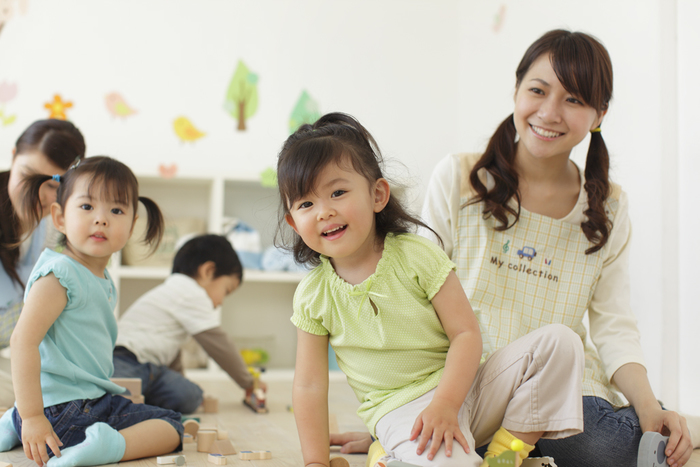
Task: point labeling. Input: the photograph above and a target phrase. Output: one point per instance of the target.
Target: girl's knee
(563, 340)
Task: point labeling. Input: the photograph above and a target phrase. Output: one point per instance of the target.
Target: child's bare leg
(149, 438)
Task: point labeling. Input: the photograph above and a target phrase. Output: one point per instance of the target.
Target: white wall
(427, 78)
(689, 221)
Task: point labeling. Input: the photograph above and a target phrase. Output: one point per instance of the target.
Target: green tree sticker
(306, 110)
(242, 95)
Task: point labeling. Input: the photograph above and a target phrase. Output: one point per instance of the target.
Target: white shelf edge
(249, 275)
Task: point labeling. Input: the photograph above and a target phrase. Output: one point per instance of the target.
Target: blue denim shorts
(70, 419)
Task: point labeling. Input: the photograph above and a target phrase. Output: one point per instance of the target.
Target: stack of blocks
(211, 440)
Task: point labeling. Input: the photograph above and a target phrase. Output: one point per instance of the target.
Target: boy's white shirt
(160, 321)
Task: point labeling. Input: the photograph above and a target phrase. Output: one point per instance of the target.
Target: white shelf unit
(257, 314)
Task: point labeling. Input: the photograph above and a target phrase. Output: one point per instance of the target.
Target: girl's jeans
(610, 438)
(161, 386)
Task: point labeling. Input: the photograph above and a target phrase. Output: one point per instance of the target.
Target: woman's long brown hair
(583, 67)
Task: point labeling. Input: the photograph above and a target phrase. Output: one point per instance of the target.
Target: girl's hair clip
(56, 178)
(76, 163)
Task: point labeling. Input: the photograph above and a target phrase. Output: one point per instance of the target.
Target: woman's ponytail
(597, 227)
(498, 160)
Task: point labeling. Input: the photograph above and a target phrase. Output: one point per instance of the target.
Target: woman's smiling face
(549, 119)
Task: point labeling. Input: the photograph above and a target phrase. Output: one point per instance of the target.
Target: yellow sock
(501, 442)
(375, 452)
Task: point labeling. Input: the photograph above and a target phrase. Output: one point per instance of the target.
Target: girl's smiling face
(337, 219)
(549, 119)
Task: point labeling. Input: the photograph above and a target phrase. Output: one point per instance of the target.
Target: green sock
(103, 445)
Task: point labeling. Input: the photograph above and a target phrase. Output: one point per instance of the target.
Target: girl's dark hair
(61, 142)
(110, 178)
(203, 248)
(583, 67)
(334, 138)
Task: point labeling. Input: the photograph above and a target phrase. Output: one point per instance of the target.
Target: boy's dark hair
(209, 247)
(335, 138)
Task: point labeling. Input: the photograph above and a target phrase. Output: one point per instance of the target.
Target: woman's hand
(37, 432)
(679, 447)
(352, 441)
(437, 422)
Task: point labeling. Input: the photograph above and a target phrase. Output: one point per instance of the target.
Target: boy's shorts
(70, 419)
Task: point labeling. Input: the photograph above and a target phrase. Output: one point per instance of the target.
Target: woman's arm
(310, 397)
(439, 420)
(45, 302)
(441, 205)
(633, 382)
(616, 337)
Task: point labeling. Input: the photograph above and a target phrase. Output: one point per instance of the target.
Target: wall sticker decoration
(185, 130)
(117, 106)
(8, 91)
(306, 110)
(242, 95)
(57, 108)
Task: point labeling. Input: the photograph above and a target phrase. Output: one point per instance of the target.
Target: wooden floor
(274, 431)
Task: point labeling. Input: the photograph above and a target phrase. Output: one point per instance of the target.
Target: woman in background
(46, 147)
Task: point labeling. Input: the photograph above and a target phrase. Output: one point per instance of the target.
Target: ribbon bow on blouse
(365, 296)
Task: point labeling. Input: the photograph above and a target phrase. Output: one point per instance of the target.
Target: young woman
(46, 147)
(538, 240)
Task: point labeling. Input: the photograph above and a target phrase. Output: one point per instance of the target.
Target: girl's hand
(679, 447)
(352, 441)
(37, 432)
(437, 422)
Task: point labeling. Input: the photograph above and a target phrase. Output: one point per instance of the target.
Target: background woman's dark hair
(61, 142)
(583, 67)
(114, 180)
(203, 248)
(334, 138)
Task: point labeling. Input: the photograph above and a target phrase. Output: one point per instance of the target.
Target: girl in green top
(390, 304)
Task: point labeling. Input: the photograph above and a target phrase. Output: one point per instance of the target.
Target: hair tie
(56, 178)
(76, 163)
(595, 130)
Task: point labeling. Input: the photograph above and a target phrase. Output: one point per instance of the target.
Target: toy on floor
(254, 455)
(217, 459)
(652, 449)
(177, 460)
(205, 439)
(222, 447)
(339, 462)
(210, 404)
(5, 464)
(191, 428)
(256, 400)
(133, 386)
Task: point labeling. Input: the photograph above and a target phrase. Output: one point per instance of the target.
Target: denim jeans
(161, 386)
(610, 438)
(70, 419)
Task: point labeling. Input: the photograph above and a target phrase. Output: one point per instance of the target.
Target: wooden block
(186, 439)
(5, 464)
(217, 459)
(223, 447)
(177, 460)
(211, 404)
(339, 462)
(254, 455)
(132, 384)
(221, 434)
(191, 428)
(205, 439)
(137, 399)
